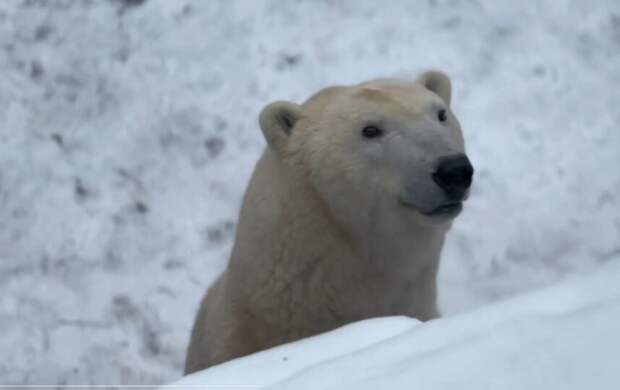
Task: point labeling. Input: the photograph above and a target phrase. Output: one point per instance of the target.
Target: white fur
(324, 237)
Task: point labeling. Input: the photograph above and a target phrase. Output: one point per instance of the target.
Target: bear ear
(277, 121)
(437, 82)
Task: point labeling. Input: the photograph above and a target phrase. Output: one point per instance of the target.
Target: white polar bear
(344, 218)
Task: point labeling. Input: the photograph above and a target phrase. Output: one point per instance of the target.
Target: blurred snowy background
(128, 130)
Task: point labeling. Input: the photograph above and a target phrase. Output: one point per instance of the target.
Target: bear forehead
(390, 95)
(410, 96)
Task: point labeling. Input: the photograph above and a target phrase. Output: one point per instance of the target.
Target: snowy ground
(128, 131)
(564, 337)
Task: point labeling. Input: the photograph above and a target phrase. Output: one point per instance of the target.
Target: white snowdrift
(565, 337)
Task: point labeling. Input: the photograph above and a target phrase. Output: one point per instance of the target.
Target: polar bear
(344, 217)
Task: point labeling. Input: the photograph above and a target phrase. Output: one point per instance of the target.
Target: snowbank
(565, 337)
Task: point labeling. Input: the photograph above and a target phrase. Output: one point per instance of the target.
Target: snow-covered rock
(565, 337)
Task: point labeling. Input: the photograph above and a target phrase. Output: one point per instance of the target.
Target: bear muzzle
(443, 193)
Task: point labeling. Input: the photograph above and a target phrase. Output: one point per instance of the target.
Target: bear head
(382, 146)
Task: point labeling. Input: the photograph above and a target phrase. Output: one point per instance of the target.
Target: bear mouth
(445, 210)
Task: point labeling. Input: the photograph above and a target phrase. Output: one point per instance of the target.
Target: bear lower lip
(446, 209)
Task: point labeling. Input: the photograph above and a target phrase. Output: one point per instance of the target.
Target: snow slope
(565, 337)
(128, 131)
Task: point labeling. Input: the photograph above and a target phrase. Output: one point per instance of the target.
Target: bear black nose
(454, 175)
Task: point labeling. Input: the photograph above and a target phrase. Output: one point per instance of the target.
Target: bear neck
(379, 241)
(289, 242)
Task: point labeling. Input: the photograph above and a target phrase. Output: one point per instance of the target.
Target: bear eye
(372, 132)
(442, 115)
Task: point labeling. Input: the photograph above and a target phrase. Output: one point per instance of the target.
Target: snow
(129, 132)
(279, 363)
(565, 337)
